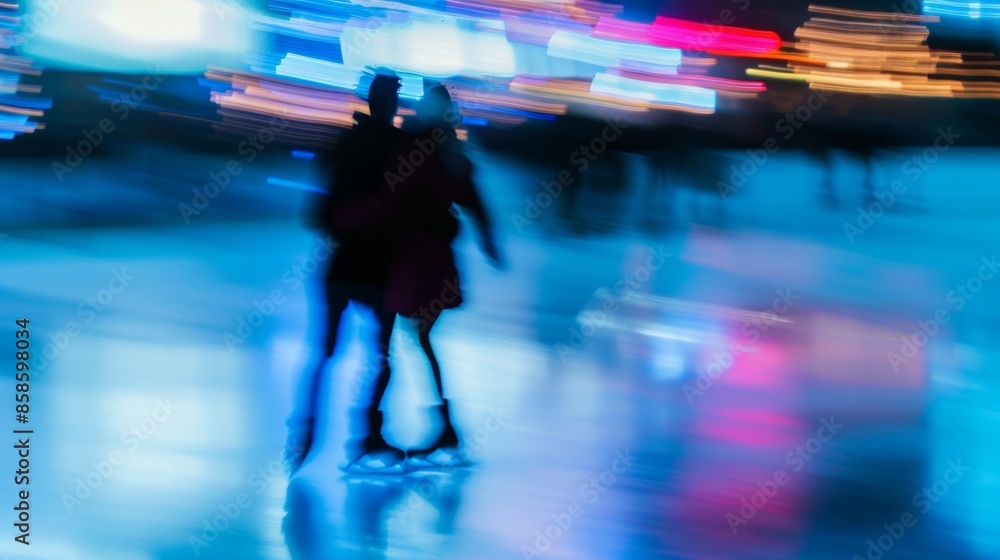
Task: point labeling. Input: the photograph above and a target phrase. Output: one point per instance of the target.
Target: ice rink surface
(752, 386)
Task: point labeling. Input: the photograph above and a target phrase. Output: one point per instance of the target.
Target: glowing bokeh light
(438, 49)
(666, 95)
(971, 10)
(733, 41)
(155, 21)
(609, 53)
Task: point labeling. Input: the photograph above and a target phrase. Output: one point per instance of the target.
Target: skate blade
(362, 469)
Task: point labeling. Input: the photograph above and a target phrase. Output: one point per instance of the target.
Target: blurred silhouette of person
(827, 157)
(441, 491)
(309, 528)
(369, 507)
(424, 507)
(304, 525)
(433, 174)
(358, 273)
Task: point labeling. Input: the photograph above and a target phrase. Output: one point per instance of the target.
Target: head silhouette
(437, 108)
(383, 97)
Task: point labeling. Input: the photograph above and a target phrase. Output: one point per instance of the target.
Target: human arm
(469, 199)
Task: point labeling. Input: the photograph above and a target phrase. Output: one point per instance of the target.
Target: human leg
(448, 440)
(301, 424)
(371, 450)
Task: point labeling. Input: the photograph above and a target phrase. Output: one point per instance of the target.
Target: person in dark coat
(428, 175)
(357, 273)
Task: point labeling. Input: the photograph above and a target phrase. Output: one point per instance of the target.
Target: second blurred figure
(391, 206)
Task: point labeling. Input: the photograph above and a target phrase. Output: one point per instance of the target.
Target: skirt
(423, 278)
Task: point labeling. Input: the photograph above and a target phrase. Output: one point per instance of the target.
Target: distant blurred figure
(434, 174)
(857, 144)
(702, 171)
(358, 272)
(696, 169)
(828, 193)
(600, 198)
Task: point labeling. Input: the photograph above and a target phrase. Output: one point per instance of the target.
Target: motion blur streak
(713, 39)
(577, 91)
(609, 53)
(881, 53)
(886, 18)
(17, 104)
(960, 8)
(528, 53)
(436, 49)
(692, 98)
(741, 298)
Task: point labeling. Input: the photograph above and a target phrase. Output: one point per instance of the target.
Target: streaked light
(319, 71)
(666, 95)
(625, 30)
(606, 53)
(154, 21)
(722, 86)
(882, 18)
(880, 53)
(129, 36)
(17, 108)
(475, 121)
(437, 49)
(578, 91)
(293, 185)
(711, 38)
(972, 10)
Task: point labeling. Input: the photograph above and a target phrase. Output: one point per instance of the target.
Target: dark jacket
(416, 204)
(358, 167)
